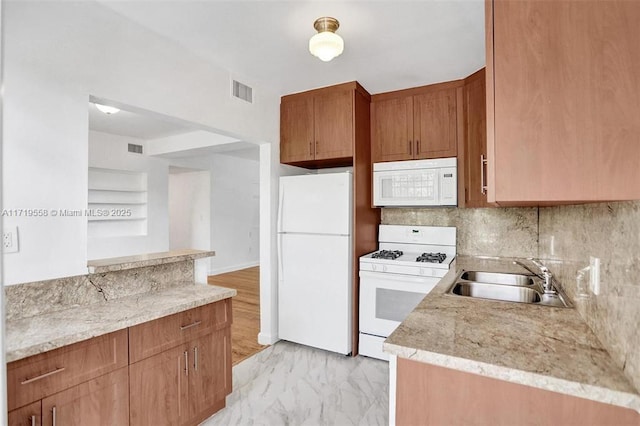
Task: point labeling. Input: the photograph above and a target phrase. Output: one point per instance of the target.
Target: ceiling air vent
(137, 149)
(242, 91)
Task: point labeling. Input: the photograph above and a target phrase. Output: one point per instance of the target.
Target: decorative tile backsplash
(566, 237)
(511, 232)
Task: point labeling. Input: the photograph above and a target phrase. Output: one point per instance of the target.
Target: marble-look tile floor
(290, 384)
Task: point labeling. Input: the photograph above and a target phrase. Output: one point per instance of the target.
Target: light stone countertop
(539, 346)
(100, 266)
(41, 333)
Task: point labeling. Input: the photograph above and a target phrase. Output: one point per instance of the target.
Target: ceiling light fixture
(326, 45)
(107, 109)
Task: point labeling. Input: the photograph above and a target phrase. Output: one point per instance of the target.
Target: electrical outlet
(10, 239)
(594, 275)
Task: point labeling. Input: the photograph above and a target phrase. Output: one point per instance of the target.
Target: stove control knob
(421, 271)
(374, 267)
(384, 268)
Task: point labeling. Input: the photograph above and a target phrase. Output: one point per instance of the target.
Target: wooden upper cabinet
(475, 140)
(318, 128)
(333, 125)
(392, 129)
(562, 101)
(296, 130)
(435, 124)
(415, 123)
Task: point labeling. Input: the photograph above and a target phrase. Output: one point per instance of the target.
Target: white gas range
(393, 280)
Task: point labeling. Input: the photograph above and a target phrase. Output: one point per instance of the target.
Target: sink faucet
(544, 275)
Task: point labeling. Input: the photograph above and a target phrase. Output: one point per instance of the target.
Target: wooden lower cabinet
(430, 395)
(210, 378)
(94, 382)
(30, 415)
(159, 388)
(101, 401)
(183, 385)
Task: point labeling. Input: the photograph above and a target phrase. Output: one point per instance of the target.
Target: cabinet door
(333, 125)
(296, 130)
(101, 401)
(209, 375)
(435, 124)
(566, 86)
(475, 143)
(26, 416)
(159, 387)
(392, 129)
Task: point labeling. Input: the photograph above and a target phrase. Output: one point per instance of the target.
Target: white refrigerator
(315, 261)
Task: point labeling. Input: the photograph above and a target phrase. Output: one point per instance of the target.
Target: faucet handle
(542, 268)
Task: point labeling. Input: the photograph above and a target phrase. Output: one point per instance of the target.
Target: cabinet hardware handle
(42, 376)
(410, 148)
(483, 185)
(417, 147)
(193, 324)
(315, 152)
(186, 363)
(195, 358)
(33, 420)
(311, 148)
(53, 416)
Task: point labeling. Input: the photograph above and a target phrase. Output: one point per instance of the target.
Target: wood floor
(246, 311)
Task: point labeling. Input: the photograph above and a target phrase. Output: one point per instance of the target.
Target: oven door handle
(399, 277)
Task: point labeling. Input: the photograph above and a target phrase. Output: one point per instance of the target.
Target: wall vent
(137, 149)
(242, 91)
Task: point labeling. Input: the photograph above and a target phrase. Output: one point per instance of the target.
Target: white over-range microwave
(416, 183)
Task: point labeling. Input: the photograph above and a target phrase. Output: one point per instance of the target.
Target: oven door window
(395, 305)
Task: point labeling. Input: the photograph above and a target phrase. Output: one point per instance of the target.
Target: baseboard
(233, 268)
(266, 339)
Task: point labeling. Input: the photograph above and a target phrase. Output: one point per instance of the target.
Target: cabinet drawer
(159, 335)
(38, 376)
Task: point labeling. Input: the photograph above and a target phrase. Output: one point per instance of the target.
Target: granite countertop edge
(100, 266)
(512, 375)
(38, 334)
(415, 341)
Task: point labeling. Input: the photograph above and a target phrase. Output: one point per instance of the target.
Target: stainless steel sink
(506, 287)
(507, 293)
(498, 278)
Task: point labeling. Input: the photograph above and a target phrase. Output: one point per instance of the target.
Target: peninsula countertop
(540, 346)
(41, 333)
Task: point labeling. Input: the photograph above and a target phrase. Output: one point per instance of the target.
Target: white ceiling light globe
(107, 109)
(326, 45)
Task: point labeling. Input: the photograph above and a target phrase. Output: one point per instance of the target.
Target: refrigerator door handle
(281, 204)
(280, 262)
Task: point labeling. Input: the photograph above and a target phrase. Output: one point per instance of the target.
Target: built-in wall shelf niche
(117, 203)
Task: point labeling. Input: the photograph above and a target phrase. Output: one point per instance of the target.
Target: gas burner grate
(387, 254)
(431, 257)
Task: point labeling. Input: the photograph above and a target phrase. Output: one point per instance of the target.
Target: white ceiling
(135, 125)
(389, 45)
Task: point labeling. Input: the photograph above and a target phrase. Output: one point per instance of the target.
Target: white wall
(235, 213)
(56, 55)
(111, 152)
(189, 210)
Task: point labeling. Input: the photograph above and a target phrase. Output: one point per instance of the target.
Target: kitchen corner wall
(509, 232)
(569, 235)
(566, 237)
